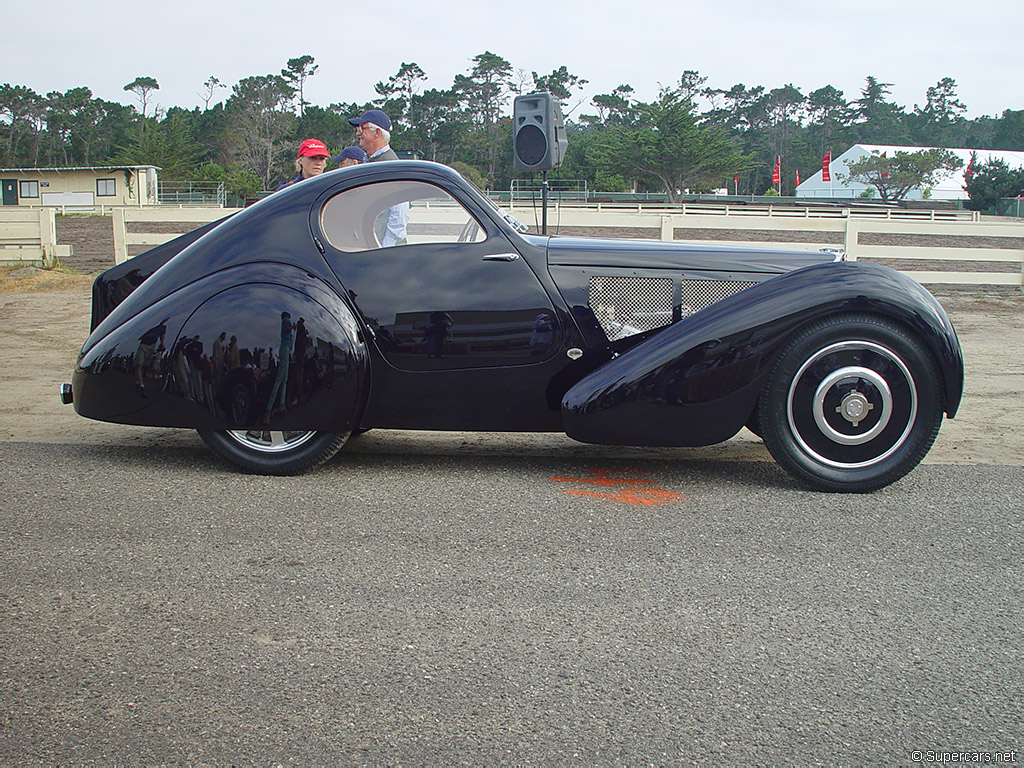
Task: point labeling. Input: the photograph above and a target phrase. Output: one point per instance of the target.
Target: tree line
(690, 138)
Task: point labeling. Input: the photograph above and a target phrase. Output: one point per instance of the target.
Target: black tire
(265, 452)
(853, 403)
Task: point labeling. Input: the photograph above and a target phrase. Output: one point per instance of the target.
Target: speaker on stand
(538, 140)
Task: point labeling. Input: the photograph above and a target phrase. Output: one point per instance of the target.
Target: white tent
(948, 187)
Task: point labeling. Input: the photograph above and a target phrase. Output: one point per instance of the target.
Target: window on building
(28, 188)
(106, 187)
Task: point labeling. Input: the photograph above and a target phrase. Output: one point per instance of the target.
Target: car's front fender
(697, 382)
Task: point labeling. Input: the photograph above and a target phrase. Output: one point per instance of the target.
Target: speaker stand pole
(544, 203)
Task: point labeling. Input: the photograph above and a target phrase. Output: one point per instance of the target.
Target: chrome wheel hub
(853, 407)
(864, 388)
(852, 404)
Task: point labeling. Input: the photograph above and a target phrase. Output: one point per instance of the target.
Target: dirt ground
(45, 317)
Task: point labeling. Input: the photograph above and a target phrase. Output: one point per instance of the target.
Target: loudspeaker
(538, 139)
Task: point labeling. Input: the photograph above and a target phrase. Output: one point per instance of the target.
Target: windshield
(508, 217)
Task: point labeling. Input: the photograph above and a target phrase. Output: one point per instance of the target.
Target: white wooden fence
(28, 237)
(975, 258)
(951, 247)
(967, 249)
(189, 218)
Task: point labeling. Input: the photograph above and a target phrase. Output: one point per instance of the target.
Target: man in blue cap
(373, 129)
(350, 156)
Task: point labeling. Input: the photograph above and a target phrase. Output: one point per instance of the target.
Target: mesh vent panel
(698, 294)
(625, 306)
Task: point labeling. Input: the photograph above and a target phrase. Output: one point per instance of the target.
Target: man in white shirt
(373, 130)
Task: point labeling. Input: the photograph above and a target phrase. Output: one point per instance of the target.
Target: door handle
(501, 257)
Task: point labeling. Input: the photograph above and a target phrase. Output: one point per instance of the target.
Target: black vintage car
(282, 330)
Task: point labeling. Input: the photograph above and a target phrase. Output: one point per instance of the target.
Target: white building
(83, 186)
(948, 187)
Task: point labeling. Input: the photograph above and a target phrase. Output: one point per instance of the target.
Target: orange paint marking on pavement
(633, 489)
(604, 477)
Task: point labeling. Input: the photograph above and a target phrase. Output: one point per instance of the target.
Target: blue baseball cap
(355, 153)
(374, 116)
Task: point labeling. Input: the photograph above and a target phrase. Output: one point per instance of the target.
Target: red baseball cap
(313, 148)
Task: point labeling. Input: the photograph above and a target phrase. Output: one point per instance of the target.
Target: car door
(452, 307)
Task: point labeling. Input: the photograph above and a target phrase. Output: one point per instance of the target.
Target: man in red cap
(313, 156)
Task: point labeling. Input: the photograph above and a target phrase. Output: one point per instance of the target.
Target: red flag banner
(776, 174)
(970, 167)
(885, 174)
(798, 177)
(969, 170)
(826, 161)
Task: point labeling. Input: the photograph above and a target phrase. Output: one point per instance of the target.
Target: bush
(992, 181)
(238, 181)
(471, 173)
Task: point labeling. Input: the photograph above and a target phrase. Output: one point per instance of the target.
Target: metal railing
(192, 193)
(558, 189)
(785, 210)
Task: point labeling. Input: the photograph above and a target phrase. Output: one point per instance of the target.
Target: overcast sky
(59, 44)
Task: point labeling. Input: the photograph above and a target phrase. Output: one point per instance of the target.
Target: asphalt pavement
(436, 608)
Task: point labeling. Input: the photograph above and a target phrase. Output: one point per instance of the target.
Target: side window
(393, 213)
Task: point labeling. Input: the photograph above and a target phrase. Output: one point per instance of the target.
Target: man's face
(347, 162)
(312, 166)
(367, 137)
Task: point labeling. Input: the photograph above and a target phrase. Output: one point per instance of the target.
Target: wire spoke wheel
(274, 452)
(270, 441)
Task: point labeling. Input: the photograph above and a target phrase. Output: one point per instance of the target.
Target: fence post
(850, 240)
(120, 246)
(666, 229)
(48, 237)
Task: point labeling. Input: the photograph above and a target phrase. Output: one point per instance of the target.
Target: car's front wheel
(267, 452)
(853, 403)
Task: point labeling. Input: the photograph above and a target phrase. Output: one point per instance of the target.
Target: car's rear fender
(117, 283)
(697, 382)
(199, 379)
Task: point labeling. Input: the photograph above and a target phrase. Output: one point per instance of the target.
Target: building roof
(80, 168)
(948, 187)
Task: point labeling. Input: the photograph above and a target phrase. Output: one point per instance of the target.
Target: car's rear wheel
(268, 452)
(853, 403)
